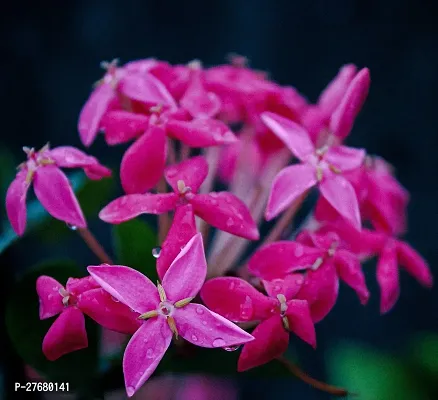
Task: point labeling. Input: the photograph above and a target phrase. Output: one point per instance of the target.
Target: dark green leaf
(424, 350)
(133, 243)
(27, 331)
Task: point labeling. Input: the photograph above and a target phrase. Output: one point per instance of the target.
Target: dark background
(50, 57)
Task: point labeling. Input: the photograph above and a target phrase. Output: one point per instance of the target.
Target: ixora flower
(166, 310)
(79, 297)
(321, 167)
(51, 186)
(279, 312)
(222, 210)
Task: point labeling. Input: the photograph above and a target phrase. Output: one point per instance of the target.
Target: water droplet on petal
(150, 353)
(194, 338)
(204, 322)
(230, 222)
(156, 251)
(199, 310)
(232, 348)
(219, 342)
(72, 227)
(232, 286)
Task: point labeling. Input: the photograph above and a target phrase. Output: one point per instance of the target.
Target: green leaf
(133, 243)
(372, 375)
(424, 351)
(27, 331)
(37, 216)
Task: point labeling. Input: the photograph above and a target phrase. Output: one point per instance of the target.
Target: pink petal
(108, 312)
(289, 286)
(201, 132)
(226, 212)
(16, 202)
(122, 126)
(49, 296)
(192, 172)
(345, 158)
(414, 264)
(143, 163)
(320, 289)
(77, 286)
(127, 285)
(388, 278)
(335, 90)
(93, 111)
(300, 321)
(187, 273)
(319, 240)
(67, 334)
(132, 205)
(204, 328)
(183, 228)
(146, 89)
(291, 134)
(271, 341)
(276, 260)
(350, 271)
(236, 299)
(342, 197)
(289, 184)
(343, 117)
(144, 352)
(53, 190)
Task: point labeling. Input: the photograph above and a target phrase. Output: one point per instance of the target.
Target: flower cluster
(194, 129)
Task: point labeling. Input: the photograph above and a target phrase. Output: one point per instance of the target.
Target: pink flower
(222, 210)
(51, 186)
(166, 311)
(81, 296)
(278, 312)
(319, 167)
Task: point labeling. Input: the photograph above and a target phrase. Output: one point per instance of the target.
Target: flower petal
(350, 271)
(201, 132)
(143, 163)
(183, 228)
(204, 328)
(276, 260)
(270, 341)
(67, 334)
(388, 277)
(122, 126)
(93, 111)
(108, 312)
(289, 286)
(187, 273)
(226, 212)
(343, 117)
(50, 298)
(236, 299)
(300, 321)
(290, 183)
(144, 352)
(414, 264)
(132, 205)
(345, 158)
(77, 286)
(291, 134)
(16, 202)
(53, 190)
(192, 172)
(342, 197)
(127, 285)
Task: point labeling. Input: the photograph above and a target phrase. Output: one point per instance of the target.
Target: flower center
(166, 308)
(35, 159)
(67, 298)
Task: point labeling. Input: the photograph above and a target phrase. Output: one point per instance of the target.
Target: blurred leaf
(424, 350)
(27, 331)
(133, 244)
(372, 375)
(37, 216)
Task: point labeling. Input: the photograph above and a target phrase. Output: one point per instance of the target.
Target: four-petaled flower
(166, 310)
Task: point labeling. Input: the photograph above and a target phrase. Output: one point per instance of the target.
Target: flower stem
(94, 245)
(184, 152)
(325, 387)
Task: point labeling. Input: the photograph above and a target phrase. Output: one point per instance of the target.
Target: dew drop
(204, 322)
(199, 310)
(232, 348)
(194, 338)
(72, 227)
(156, 251)
(230, 222)
(150, 353)
(219, 342)
(232, 286)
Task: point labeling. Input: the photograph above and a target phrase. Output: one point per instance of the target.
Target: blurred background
(50, 57)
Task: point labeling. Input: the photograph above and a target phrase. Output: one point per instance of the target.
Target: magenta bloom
(222, 210)
(166, 311)
(51, 186)
(319, 167)
(81, 296)
(278, 312)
